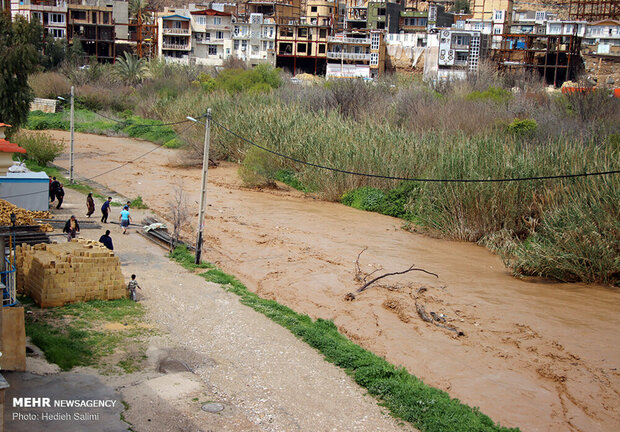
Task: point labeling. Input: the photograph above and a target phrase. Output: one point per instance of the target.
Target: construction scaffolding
(555, 58)
(593, 10)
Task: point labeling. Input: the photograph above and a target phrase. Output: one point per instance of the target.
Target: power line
(113, 169)
(129, 123)
(428, 180)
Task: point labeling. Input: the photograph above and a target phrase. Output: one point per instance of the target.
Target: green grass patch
(394, 202)
(89, 122)
(183, 256)
(138, 203)
(290, 178)
(75, 334)
(408, 398)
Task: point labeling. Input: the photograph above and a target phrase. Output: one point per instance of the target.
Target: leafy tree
(55, 51)
(130, 69)
(20, 42)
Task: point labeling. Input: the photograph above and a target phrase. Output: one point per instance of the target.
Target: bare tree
(179, 211)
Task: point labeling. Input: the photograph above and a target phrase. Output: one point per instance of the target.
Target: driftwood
(360, 276)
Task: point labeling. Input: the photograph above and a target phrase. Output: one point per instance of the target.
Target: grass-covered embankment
(90, 122)
(408, 398)
(90, 334)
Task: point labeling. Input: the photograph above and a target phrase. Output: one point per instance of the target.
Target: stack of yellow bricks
(60, 273)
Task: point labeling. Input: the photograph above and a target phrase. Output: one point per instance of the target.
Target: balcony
(347, 56)
(349, 40)
(173, 46)
(176, 31)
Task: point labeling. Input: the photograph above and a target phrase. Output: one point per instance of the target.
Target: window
(497, 30)
(57, 33)
(540, 16)
(461, 40)
(375, 39)
(106, 17)
(381, 11)
(312, 8)
(461, 56)
(244, 45)
(219, 35)
(478, 26)
(301, 47)
(78, 15)
(56, 18)
(322, 33)
(264, 45)
(201, 20)
(270, 45)
(321, 48)
(302, 32)
(217, 20)
(38, 16)
(207, 36)
(236, 44)
(212, 49)
(374, 59)
(227, 50)
(499, 15)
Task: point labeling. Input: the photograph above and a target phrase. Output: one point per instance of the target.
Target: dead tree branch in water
(360, 276)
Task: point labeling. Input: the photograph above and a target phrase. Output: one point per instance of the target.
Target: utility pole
(203, 190)
(72, 130)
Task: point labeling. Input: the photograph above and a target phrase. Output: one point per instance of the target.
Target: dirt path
(539, 355)
(213, 349)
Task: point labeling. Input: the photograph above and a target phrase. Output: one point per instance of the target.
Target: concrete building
(93, 25)
(211, 34)
(302, 47)
(282, 11)
(52, 14)
(356, 54)
(603, 37)
(320, 12)
(254, 39)
(452, 53)
(384, 15)
(491, 17)
(175, 36)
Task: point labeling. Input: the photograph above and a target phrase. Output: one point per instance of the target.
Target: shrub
(494, 94)
(258, 168)
(262, 78)
(523, 127)
(40, 148)
(49, 84)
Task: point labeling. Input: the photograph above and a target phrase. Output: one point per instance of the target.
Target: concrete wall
(45, 105)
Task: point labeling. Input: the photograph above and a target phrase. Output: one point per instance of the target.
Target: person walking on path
(54, 185)
(125, 219)
(60, 194)
(106, 240)
(72, 227)
(131, 287)
(105, 210)
(90, 204)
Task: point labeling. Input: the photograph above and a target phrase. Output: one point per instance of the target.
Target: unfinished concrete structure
(593, 10)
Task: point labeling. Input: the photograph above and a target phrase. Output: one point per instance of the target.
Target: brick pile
(60, 273)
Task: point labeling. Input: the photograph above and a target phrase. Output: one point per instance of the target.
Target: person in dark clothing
(90, 204)
(105, 210)
(106, 240)
(71, 228)
(60, 194)
(54, 186)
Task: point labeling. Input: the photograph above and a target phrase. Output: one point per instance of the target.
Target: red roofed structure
(210, 12)
(9, 147)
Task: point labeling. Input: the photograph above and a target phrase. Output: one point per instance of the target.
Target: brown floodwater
(535, 354)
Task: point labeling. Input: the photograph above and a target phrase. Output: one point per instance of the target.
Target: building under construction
(556, 58)
(593, 10)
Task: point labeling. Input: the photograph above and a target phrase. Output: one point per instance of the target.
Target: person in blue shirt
(105, 210)
(106, 240)
(125, 219)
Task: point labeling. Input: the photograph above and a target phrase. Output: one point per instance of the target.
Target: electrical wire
(113, 169)
(127, 122)
(428, 180)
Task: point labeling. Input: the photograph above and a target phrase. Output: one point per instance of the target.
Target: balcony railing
(348, 56)
(172, 30)
(349, 40)
(174, 46)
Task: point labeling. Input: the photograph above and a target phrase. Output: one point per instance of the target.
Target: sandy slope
(539, 355)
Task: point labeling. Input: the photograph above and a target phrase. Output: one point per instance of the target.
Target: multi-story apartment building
(356, 54)
(254, 39)
(211, 32)
(93, 25)
(492, 17)
(452, 53)
(384, 15)
(321, 12)
(52, 14)
(282, 11)
(302, 47)
(356, 14)
(175, 36)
